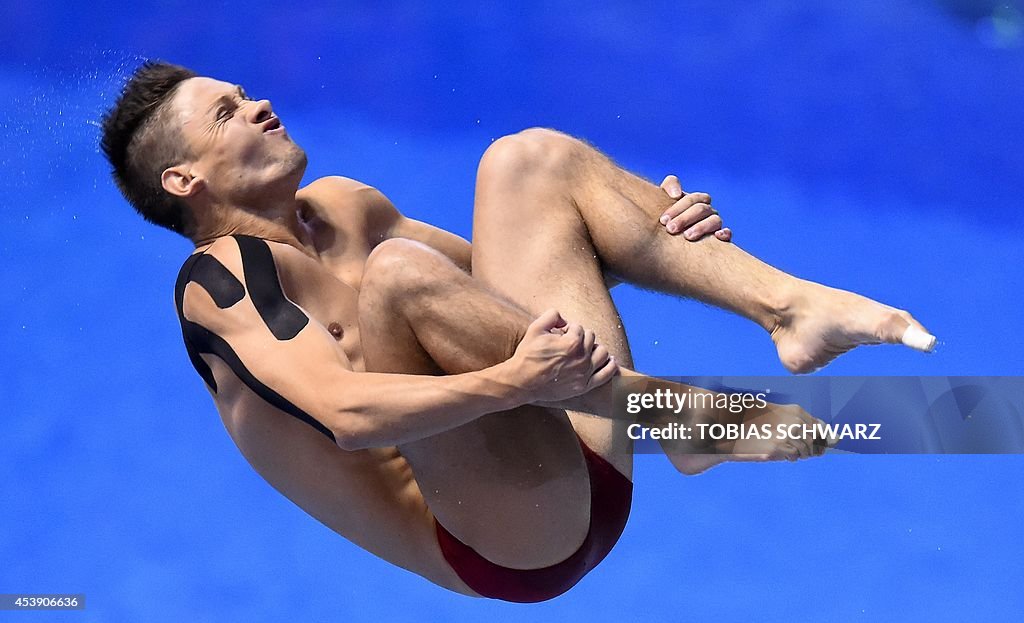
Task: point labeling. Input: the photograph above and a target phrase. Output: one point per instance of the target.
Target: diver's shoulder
(200, 251)
(222, 248)
(215, 265)
(331, 186)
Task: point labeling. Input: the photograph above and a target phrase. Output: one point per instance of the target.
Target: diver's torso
(511, 484)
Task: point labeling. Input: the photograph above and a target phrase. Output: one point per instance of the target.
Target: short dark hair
(140, 144)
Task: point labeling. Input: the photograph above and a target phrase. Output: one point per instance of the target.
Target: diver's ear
(180, 181)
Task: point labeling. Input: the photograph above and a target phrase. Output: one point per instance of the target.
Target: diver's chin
(301, 161)
(295, 165)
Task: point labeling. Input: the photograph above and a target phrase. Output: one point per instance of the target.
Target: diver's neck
(280, 224)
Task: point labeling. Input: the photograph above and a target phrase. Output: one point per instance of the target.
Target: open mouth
(273, 126)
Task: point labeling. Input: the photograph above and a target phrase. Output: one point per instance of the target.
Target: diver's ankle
(782, 304)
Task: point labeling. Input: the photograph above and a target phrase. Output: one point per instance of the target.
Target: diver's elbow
(351, 437)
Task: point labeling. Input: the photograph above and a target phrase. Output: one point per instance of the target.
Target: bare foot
(823, 323)
(760, 440)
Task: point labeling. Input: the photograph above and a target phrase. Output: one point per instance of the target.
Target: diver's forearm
(378, 410)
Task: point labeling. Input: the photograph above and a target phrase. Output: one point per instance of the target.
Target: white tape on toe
(918, 339)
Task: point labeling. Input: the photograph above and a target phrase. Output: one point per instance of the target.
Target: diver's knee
(527, 153)
(399, 268)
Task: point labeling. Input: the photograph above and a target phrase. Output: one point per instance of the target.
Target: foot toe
(918, 339)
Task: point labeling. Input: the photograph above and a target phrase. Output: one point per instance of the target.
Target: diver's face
(241, 150)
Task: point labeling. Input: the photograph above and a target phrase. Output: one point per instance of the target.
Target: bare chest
(327, 289)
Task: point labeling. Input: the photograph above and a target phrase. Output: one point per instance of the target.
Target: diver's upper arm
(455, 247)
(338, 195)
(383, 220)
(232, 306)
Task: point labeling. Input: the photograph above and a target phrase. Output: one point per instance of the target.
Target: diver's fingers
(672, 187)
(604, 374)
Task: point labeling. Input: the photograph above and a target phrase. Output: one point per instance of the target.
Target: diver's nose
(260, 111)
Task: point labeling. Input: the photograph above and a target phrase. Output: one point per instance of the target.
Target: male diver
(420, 396)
